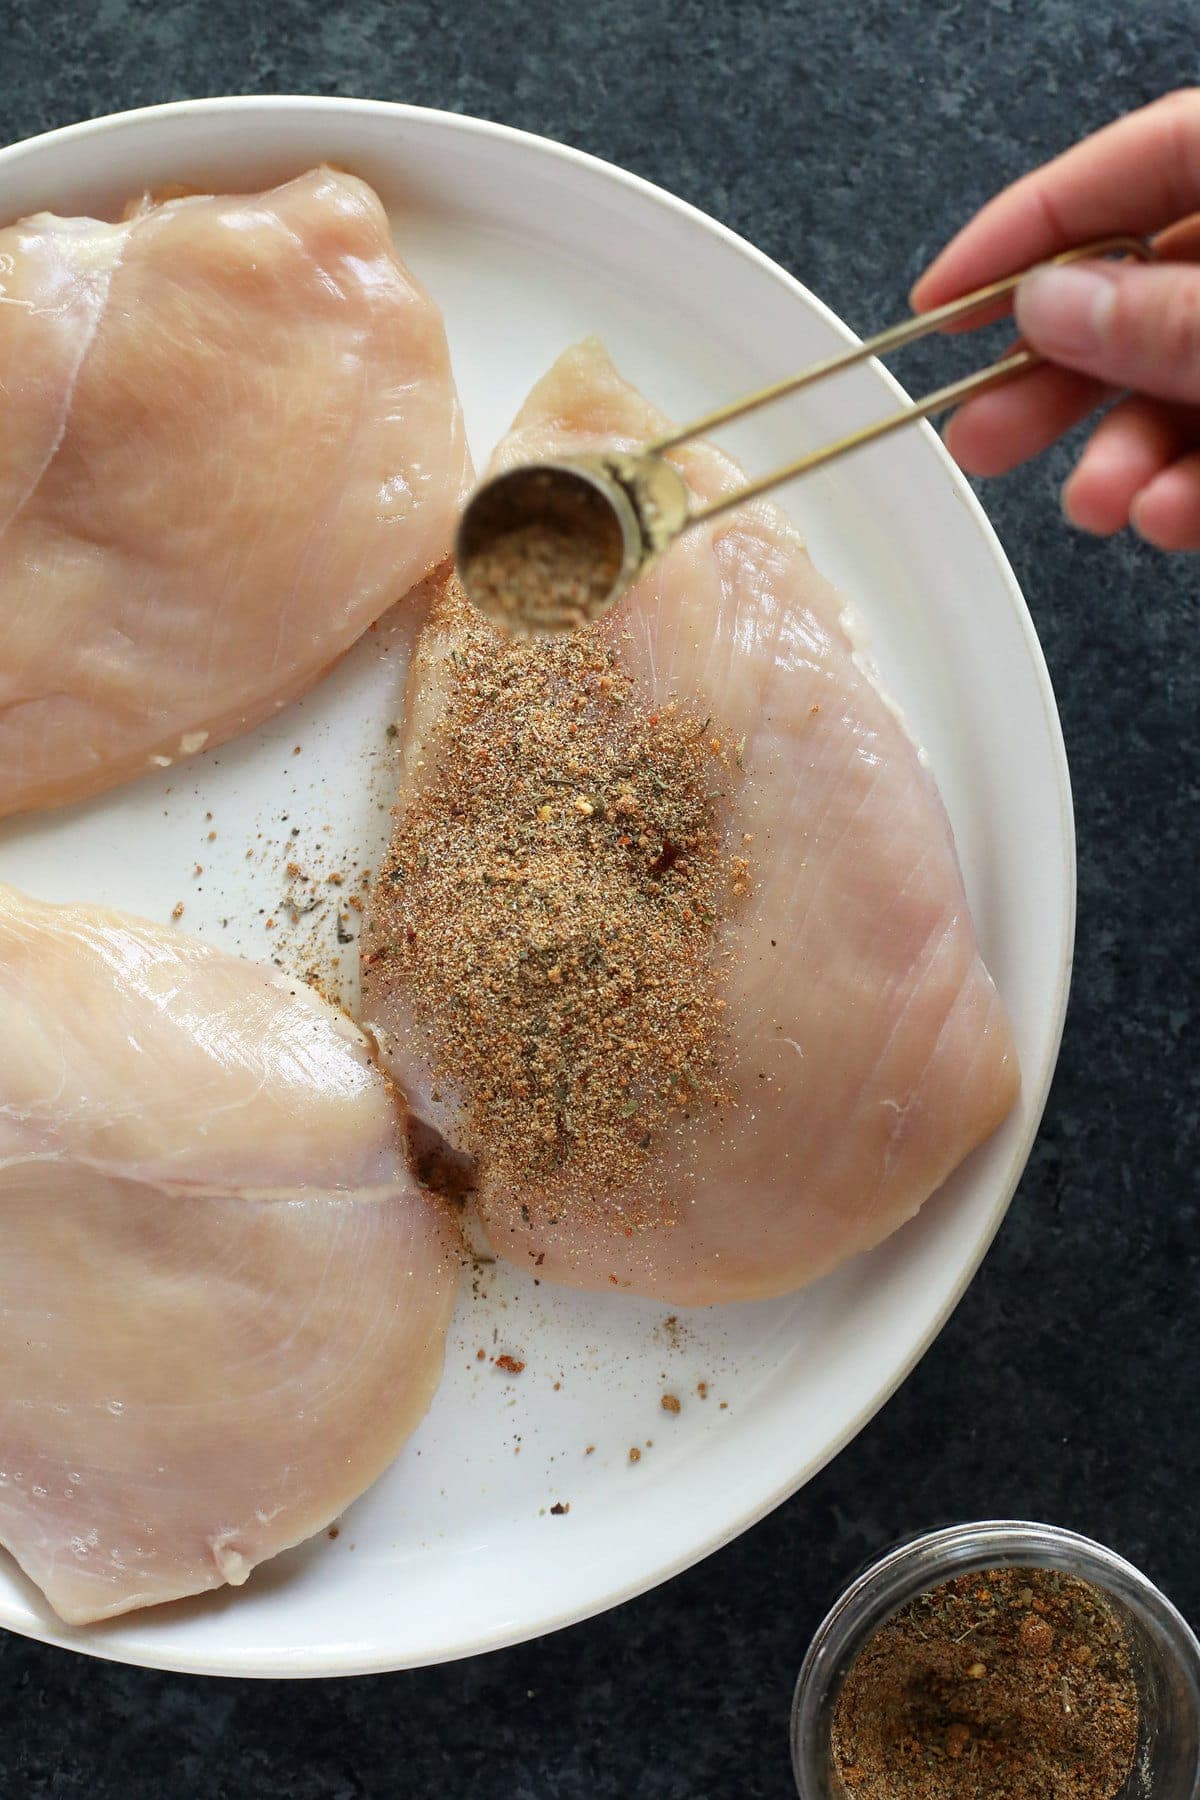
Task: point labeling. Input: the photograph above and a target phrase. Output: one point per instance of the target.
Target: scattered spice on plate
(672, 1330)
(509, 1364)
(1016, 1684)
(670, 1403)
(177, 910)
(560, 1507)
(635, 1454)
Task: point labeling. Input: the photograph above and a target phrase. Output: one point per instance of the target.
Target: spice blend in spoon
(540, 551)
(1016, 1684)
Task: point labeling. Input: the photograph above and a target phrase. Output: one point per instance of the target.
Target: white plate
(528, 246)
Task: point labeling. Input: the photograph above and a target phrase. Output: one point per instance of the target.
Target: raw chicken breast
(863, 1049)
(230, 440)
(222, 1299)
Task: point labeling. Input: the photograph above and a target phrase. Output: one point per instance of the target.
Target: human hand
(1104, 326)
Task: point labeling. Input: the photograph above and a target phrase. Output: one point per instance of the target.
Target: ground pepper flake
(670, 1403)
(1012, 1685)
(549, 907)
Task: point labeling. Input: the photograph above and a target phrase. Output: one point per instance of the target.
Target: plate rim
(346, 1660)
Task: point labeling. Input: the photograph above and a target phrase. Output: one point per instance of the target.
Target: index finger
(1137, 175)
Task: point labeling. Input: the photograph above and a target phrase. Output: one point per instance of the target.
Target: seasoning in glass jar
(1015, 1684)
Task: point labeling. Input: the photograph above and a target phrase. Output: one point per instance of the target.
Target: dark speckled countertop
(847, 138)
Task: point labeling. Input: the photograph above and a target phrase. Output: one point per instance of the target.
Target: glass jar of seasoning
(1164, 1652)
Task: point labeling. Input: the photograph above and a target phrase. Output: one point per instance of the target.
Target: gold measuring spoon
(550, 546)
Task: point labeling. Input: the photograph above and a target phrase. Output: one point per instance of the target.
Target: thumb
(1131, 325)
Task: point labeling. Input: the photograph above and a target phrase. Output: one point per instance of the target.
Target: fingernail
(1065, 312)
